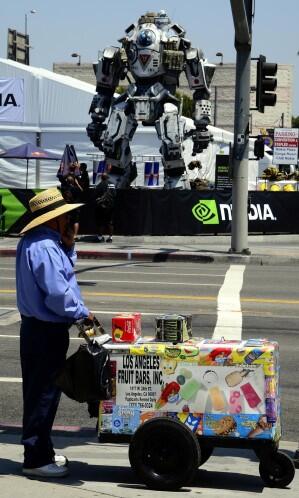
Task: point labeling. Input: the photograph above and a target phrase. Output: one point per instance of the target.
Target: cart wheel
(278, 471)
(205, 453)
(164, 453)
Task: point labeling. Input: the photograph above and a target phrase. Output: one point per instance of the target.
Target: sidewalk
(103, 470)
(202, 248)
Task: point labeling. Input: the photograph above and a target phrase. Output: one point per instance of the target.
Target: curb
(8, 252)
(175, 255)
(154, 256)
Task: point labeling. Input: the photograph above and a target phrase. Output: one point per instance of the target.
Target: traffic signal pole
(242, 16)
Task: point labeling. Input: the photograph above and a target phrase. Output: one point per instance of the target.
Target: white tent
(56, 113)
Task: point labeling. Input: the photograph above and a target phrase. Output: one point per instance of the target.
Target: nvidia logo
(206, 212)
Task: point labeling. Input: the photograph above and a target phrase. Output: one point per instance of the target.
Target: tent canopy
(56, 109)
(29, 151)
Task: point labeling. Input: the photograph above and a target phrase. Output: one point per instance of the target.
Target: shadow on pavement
(124, 477)
(233, 481)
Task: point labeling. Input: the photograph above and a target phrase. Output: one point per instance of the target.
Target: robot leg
(170, 130)
(116, 145)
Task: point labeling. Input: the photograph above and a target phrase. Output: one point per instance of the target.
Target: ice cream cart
(178, 401)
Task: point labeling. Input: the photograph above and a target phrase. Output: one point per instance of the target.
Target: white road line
(10, 379)
(10, 319)
(155, 273)
(7, 336)
(229, 313)
(136, 273)
(98, 312)
(10, 336)
(142, 282)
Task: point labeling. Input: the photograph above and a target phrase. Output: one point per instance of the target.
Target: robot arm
(199, 75)
(110, 69)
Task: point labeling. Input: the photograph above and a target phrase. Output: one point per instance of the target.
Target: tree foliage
(295, 122)
(187, 104)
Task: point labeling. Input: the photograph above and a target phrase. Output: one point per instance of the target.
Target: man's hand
(68, 237)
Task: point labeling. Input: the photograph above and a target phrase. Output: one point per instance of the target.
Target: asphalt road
(269, 304)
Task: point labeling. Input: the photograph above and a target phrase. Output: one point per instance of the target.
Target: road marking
(10, 379)
(174, 296)
(229, 313)
(156, 273)
(101, 281)
(7, 336)
(138, 282)
(150, 296)
(99, 270)
(103, 312)
(9, 318)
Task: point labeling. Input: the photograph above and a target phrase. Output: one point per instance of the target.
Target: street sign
(285, 149)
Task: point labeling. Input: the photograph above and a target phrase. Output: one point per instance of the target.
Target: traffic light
(265, 84)
(259, 147)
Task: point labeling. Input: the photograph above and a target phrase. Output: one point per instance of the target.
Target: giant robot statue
(154, 52)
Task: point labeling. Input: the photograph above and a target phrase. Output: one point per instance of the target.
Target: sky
(61, 27)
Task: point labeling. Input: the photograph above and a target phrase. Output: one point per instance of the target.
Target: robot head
(160, 19)
(149, 24)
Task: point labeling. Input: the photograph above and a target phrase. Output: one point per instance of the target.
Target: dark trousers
(43, 347)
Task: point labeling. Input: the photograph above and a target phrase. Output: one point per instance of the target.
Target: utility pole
(242, 17)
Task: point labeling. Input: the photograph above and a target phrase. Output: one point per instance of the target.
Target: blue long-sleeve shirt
(47, 288)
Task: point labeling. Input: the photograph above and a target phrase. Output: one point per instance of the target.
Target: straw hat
(47, 205)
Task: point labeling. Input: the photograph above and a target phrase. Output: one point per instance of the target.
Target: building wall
(222, 94)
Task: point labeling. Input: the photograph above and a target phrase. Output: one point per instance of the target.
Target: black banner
(189, 212)
(186, 212)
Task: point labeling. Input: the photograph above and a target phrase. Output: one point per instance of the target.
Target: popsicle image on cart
(251, 396)
(168, 391)
(236, 377)
(190, 390)
(217, 399)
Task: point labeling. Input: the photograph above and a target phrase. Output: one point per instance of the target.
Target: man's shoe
(50, 470)
(109, 239)
(61, 460)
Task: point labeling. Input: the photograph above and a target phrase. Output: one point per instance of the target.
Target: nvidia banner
(12, 100)
(170, 212)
